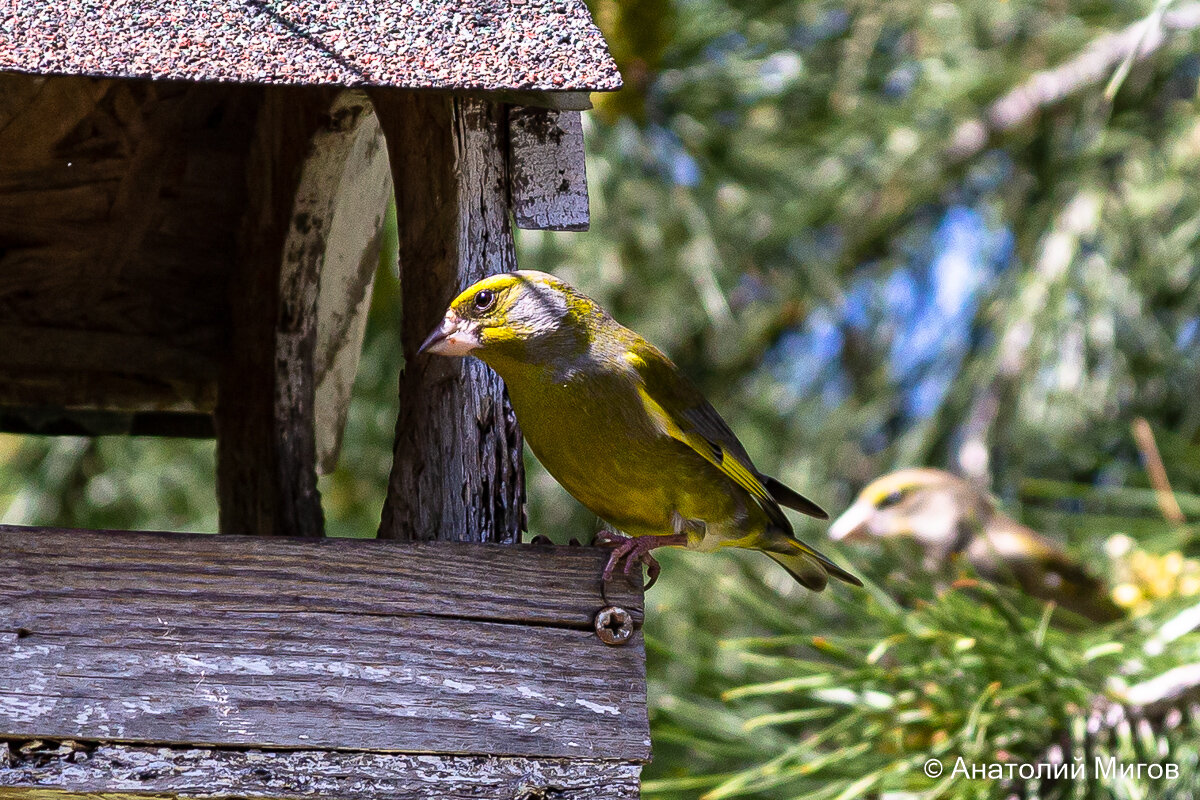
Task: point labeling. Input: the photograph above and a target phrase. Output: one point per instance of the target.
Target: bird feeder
(192, 198)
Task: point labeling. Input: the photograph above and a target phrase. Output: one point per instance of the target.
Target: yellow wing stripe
(721, 459)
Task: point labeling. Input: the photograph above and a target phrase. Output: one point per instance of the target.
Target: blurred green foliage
(777, 202)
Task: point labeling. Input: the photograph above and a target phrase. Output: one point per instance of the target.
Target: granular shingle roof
(437, 44)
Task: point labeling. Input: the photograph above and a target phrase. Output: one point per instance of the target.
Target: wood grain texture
(373, 646)
(117, 771)
(548, 170)
(457, 471)
(103, 264)
(74, 350)
(52, 389)
(266, 447)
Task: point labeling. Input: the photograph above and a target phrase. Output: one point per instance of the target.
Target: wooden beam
(358, 190)
(548, 170)
(54, 390)
(50, 421)
(102, 380)
(238, 642)
(351, 576)
(557, 101)
(457, 471)
(35, 347)
(122, 772)
(265, 418)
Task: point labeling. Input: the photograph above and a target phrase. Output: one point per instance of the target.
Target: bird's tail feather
(787, 496)
(810, 568)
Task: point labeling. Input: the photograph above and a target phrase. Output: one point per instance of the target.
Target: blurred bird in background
(620, 427)
(951, 518)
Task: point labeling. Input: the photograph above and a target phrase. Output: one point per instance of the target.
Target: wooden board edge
(103, 771)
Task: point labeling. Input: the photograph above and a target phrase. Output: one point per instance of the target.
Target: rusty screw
(614, 625)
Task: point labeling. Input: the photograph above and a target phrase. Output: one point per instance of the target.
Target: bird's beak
(454, 337)
(851, 525)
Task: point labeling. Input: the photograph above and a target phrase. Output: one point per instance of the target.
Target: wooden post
(548, 170)
(265, 416)
(266, 478)
(457, 472)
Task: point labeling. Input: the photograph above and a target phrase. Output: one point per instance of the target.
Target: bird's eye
(891, 499)
(484, 299)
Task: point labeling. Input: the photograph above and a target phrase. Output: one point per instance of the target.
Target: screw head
(614, 625)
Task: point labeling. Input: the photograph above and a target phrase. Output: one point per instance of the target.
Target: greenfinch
(950, 518)
(620, 427)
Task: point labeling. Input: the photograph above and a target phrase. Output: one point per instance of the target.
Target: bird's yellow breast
(594, 436)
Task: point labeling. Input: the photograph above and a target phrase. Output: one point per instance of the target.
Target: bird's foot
(635, 551)
(607, 537)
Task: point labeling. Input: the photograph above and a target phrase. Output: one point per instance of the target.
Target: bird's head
(929, 505)
(506, 314)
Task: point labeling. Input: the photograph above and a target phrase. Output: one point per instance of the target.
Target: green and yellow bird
(618, 425)
(951, 518)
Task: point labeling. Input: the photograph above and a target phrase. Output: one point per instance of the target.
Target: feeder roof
(489, 45)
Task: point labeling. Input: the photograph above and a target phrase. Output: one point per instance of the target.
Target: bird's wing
(684, 414)
(1043, 569)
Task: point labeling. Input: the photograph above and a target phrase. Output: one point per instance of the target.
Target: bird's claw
(635, 551)
(628, 551)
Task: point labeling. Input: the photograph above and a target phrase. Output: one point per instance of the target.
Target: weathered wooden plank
(376, 646)
(555, 586)
(99, 351)
(559, 101)
(548, 174)
(402, 684)
(154, 297)
(118, 772)
(55, 390)
(457, 471)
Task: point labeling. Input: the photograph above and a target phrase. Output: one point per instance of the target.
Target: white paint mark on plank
(307, 773)
(458, 686)
(598, 708)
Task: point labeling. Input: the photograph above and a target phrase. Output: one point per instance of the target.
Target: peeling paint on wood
(548, 175)
(108, 771)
